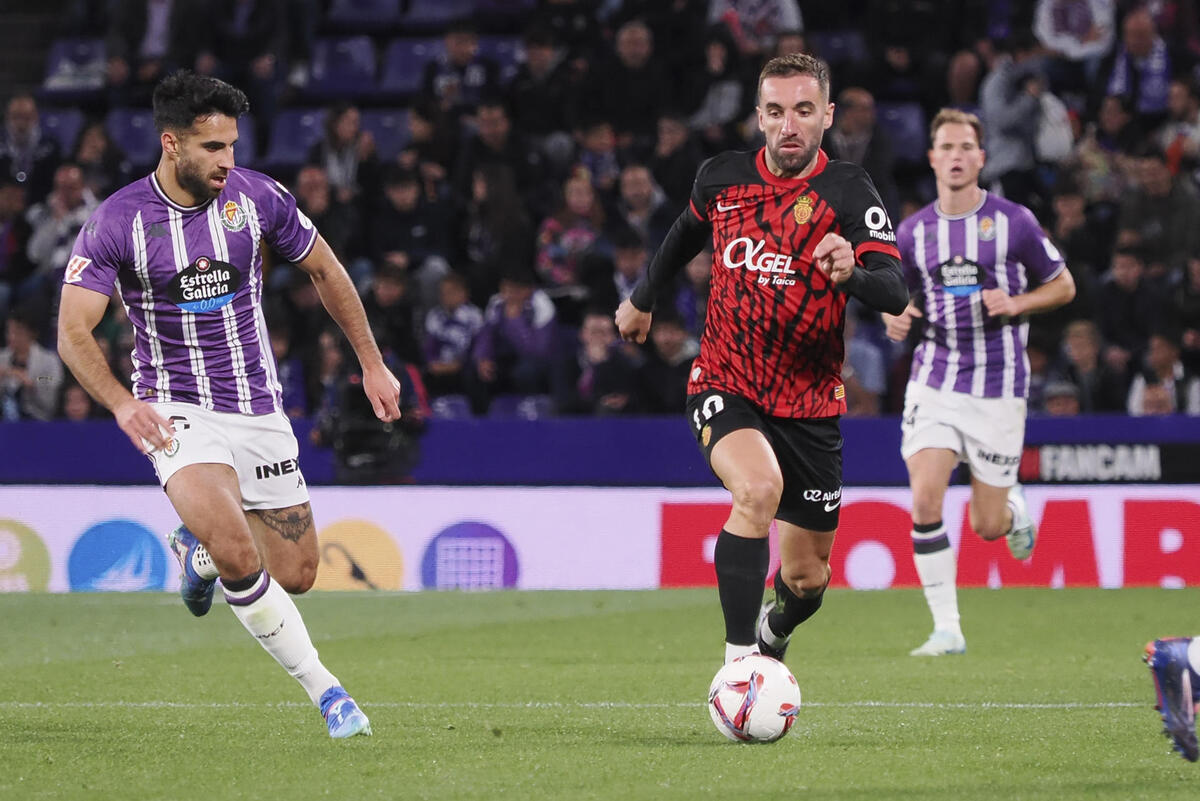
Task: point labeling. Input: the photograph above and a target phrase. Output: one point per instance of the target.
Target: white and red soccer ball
(754, 699)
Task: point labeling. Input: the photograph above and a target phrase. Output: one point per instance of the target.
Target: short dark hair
(183, 96)
(796, 64)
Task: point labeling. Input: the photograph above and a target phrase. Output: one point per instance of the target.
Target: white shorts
(261, 449)
(986, 433)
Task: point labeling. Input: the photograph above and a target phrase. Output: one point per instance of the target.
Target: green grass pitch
(587, 695)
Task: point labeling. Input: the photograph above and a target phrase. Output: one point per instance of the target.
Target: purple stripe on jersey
(948, 261)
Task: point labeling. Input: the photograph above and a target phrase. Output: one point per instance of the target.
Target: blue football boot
(197, 592)
(342, 715)
(1168, 663)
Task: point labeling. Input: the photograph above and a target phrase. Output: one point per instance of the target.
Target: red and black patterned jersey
(773, 333)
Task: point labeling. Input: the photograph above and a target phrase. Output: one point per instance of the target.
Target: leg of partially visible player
(800, 585)
(208, 500)
(1174, 664)
(746, 465)
(929, 471)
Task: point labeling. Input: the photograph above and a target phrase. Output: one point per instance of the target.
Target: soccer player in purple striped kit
(976, 265)
(183, 245)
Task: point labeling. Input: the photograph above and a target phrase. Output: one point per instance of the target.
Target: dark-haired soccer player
(793, 234)
(184, 247)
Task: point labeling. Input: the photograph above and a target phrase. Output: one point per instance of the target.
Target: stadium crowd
(532, 187)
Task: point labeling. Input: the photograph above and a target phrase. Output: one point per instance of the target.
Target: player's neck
(165, 176)
(953, 202)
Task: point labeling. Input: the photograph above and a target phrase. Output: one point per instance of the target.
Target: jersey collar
(983, 196)
(760, 161)
(158, 190)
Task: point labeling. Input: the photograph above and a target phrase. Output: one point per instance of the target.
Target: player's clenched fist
(897, 325)
(632, 323)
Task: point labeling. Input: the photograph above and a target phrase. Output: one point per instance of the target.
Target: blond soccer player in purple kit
(184, 247)
(976, 265)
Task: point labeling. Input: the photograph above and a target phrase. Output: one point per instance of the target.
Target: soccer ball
(754, 699)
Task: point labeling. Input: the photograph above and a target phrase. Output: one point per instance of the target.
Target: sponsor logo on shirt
(232, 216)
(205, 285)
(774, 268)
(960, 276)
(75, 269)
(879, 226)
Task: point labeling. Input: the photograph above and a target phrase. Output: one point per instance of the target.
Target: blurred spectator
(56, 222)
(458, 79)
(1103, 158)
(303, 18)
(575, 26)
(642, 205)
(1159, 217)
(964, 73)
(450, 330)
(1185, 313)
(627, 88)
(411, 233)
(76, 405)
(1127, 309)
(676, 158)
(1157, 400)
(495, 142)
(495, 228)
(289, 366)
(1010, 101)
(1082, 243)
(27, 154)
(1038, 350)
(863, 373)
(1061, 399)
(391, 315)
(1179, 136)
(719, 93)
(514, 351)
(339, 223)
(1078, 35)
(146, 39)
(15, 265)
(1162, 368)
(855, 137)
(1140, 67)
(663, 376)
(611, 282)
(600, 378)
(243, 43)
(755, 23)
(691, 302)
(104, 165)
(681, 23)
(347, 154)
(30, 375)
(790, 41)
(565, 238)
(540, 96)
(597, 154)
(1102, 387)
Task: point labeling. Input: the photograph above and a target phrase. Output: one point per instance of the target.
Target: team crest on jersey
(839, 392)
(75, 269)
(204, 285)
(987, 229)
(232, 216)
(803, 209)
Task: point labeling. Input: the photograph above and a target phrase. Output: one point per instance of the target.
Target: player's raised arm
(80, 311)
(343, 304)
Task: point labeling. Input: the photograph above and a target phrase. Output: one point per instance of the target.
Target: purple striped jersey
(191, 282)
(948, 262)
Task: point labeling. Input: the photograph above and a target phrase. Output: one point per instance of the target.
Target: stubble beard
(194, 183)
(793, 163)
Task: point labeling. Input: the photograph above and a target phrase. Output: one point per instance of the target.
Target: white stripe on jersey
(925, 349)
(978, 335)
(943, 251)
(141, 269)
(191, 339)
(216, 232)
(1007, 335)
(266, 358)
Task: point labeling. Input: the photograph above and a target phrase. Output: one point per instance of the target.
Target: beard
(792, 162)
(194, 183)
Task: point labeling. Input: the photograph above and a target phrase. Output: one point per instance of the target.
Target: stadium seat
(293, 133)
(436, 14)
(450, 407)
(342, 68)
(362, 15)
(75, 71)
(905, 126)
(64, 124)
(390, 129)
(246, 150)
(521, 407)
(133, 130)
(403, 64)
(840, 47)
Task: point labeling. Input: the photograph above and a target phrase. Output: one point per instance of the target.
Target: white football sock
(733, 652)
(268, 612)
(938, 571)
(1194, 654)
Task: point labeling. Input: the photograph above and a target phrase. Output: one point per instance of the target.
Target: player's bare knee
(991, 527)
(299, 579)
(237, 560)
(806, 579)
(757, 498)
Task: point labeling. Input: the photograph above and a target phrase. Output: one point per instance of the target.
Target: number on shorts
(712, 405)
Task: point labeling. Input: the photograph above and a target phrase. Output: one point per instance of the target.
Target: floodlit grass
(586, 695)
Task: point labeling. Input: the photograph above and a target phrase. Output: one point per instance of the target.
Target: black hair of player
(183, 97)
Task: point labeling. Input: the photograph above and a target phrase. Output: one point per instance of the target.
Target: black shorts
(809, 451)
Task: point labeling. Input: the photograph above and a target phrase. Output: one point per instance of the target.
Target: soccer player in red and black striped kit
(793, 235)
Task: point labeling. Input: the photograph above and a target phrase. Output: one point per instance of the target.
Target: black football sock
(741, 564)
(790, 609)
